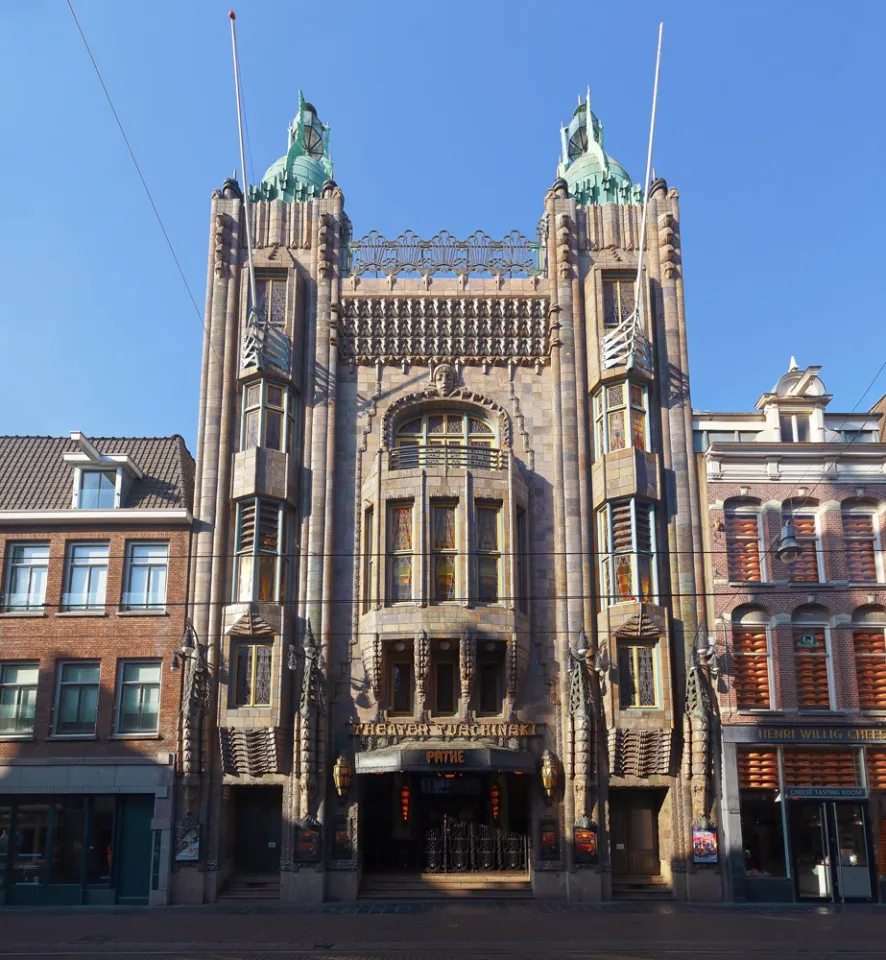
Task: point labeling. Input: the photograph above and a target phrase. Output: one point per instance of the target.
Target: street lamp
(341, 775)
(788, 548)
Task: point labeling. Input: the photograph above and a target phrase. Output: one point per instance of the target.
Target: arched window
(744, 539)
(456, 438)
(752, 673)
(869, 647)
(812, 658)
(860, 538)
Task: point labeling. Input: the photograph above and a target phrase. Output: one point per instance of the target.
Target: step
(432, 885)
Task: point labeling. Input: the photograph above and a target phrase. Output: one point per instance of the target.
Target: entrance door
(257, 829)
(633, 816)
(136, 837)
(830, 850)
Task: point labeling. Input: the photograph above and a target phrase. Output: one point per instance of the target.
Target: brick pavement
(434, 931)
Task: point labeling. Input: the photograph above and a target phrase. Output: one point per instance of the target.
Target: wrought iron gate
(460, 847)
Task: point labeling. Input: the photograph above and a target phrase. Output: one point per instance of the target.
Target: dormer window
(794, 427)
(98, 490)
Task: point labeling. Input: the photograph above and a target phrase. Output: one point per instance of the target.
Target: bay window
(400, 548)
(269, 412)
(263, 536)
(488, 552)
(443, 552)
(620, 417)
(626, 538)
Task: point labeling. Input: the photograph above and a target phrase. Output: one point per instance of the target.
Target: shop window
(147, 570)
(520, 564)
(18, 698)
(861, 546)
(368, 557)
(805, 569)
(443, 552)
(821, 768)
(445, 676)
(490, 680)
(618, 299)
(400, 549)
(626, 531)
(401, 682)
(252, 674)
(77, 704)
(870, 668)
(270, 296)
(743, 539)
(269, 415)
(86, 578)
(488, 553)
(138, 700)
(98, 490)
(101, 838)
(263, 536)
(750, 654)
(637, 680)
(811, 667)
(30, 843)
(762, 829)
(66, 848)
(455, 439)
(26, 568)
(620, 411)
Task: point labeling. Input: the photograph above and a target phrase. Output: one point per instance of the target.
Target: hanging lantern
(404, 802)
(341, 775)
(495, 801)
(548, 774)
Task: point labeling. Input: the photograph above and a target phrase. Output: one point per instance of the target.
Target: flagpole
(233, 18)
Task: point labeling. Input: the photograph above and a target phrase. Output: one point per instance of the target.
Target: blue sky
(443, 116)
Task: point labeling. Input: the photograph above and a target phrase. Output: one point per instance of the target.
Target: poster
(307, 848)
(585, 845)
(549, 836)
(187, 840)
(704, 845)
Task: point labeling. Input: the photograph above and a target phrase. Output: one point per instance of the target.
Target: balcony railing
(474, 458)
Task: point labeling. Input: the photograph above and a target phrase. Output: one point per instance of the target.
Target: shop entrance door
(257, 822)
(634, 822)
(829, 847)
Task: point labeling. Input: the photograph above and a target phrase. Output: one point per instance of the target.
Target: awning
(444, 758)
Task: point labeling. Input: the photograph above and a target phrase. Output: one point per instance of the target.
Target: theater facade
(444, 585)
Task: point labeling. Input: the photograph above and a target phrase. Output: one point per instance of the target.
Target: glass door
(809, 844)
(851, 862)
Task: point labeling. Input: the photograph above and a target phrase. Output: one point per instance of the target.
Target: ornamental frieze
(472, 329)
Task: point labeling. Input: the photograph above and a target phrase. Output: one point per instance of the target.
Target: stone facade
(445, 486)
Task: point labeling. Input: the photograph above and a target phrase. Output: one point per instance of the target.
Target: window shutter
(758, 769)
(820, 768)
(644, 527)
(622, 538)
(870, 670)
(858, 528)
(751, 683)
(247, 525)
(269, 537)
(743, 546)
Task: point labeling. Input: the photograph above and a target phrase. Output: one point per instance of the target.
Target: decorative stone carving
(251, 625)
(252, 752)
(445, 378)
(477, 330)
(640, 625)
(422, 657)
(639, 753)
(697, 745)
(222, 238)
(326, 245)
(468, 665)
(310, 705)
(564, 255)
(197, 694)
(468, 396)
(581, 712)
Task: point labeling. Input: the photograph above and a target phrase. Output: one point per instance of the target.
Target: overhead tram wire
(141, 177)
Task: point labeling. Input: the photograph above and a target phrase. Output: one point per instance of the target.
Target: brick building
(444, 566)
(94, 549)
(800, 641)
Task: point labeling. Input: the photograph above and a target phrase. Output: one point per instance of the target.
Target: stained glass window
(262, 544)
(269, 412)
(488, 559)
(401, 685)
(451, 439)
(626, 541)
(444, 527)
(617, 430)
(618, 300)
(636, 675)
(400, 550)
(270, 295)
(252, 674)
(443, 547)
(620, 411)
(444, 578)
(368, 557)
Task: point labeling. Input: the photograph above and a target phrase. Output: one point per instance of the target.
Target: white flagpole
(233, 18)
(648, 172)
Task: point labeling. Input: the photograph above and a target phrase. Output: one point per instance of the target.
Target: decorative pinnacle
(232, 15)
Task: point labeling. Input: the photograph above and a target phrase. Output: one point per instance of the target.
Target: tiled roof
(33, 475)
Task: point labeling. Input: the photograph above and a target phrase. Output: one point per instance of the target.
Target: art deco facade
(798, 617)
(94, 547)
(445, 576)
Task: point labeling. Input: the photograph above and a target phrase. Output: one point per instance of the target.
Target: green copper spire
(592, 175)
(307, 165)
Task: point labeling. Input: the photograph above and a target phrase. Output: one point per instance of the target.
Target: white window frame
(128, 603)
(747, 510)
(829, 659)
(864, 628)
(819, 559)
(874, 514)
(4, 666)
(90, 565)
(78, 485)
(12, 565)
(122, 683)
(60, 683)
(770, 663)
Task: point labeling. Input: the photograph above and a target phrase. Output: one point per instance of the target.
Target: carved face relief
(445, 379)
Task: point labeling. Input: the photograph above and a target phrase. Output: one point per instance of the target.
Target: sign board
(704, 845)
(307, 842)
(549, 838)
(341, 841)
(585, 844)
(187, 840)
(809, 735)
(464, 731)
(827, 793)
